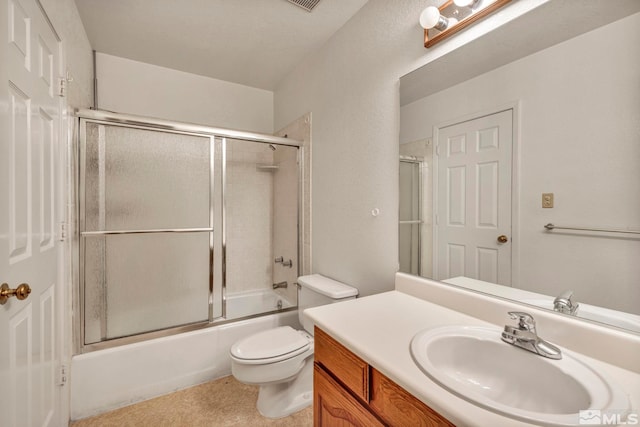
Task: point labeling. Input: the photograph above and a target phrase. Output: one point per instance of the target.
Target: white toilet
(280, 360)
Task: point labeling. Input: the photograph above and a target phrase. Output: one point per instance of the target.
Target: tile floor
(224, 402)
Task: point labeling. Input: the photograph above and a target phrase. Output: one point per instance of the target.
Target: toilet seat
(271, 346)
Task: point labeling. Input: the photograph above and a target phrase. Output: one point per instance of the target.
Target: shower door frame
(82, 117)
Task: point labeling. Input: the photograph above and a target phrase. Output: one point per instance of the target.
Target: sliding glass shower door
(181, 227)
(146, 229)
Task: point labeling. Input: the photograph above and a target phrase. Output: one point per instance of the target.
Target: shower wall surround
(249, 216)
(262, 216)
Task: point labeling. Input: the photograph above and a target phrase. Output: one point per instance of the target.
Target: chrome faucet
(564, 304)
(524, 336)
(280, 285)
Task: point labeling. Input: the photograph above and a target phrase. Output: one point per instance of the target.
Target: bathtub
(109, 379)
(244, 304)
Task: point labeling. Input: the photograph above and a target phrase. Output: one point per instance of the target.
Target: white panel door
(474, 199)
(29, 129)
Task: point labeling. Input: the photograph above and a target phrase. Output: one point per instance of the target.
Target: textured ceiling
(250, 42)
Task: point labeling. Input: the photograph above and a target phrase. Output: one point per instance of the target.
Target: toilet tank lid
(328, 287)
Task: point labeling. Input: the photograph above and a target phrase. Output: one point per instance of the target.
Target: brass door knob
(503, 239)
(21, 292)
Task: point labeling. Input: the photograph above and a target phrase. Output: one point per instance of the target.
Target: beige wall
(77, 50)
(133, 87)
(351, 87)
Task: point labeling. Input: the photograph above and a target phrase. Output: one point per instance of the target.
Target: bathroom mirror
(558, 88)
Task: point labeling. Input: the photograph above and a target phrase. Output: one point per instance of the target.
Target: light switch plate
(547, 200)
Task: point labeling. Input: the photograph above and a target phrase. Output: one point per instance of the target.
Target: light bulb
(464, 3)
(431, 18)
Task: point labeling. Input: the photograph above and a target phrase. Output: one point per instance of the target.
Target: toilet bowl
(280, 360)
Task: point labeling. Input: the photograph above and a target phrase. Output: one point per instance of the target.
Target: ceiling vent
(307, 5)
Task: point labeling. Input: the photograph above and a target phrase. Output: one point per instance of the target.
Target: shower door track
(159, 230)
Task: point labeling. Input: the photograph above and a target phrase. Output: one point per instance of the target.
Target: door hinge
(63, 87)
(64, 82)
(62, 231)
(437, 149)
(62, 378)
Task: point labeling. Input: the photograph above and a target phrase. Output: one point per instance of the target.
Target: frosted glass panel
(168, 286)
(143, 179)
(94, 288)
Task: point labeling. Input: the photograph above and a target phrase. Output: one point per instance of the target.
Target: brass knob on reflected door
(503, 239)
(21, 292)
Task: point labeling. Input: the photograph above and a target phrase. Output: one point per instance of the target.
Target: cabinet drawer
(334, 406)
(352, 371)
(399, 408)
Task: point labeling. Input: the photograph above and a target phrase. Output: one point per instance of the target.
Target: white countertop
(379, 329)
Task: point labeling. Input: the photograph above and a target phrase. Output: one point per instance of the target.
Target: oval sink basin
(597, 314)
(475, 364)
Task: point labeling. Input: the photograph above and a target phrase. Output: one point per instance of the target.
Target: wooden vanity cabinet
(333, 405)
(350, 392)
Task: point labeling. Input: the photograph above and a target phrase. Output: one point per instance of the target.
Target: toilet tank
(315, 290)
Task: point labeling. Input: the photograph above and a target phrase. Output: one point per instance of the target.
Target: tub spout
(280, 285)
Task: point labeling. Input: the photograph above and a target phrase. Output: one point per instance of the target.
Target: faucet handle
(525, 320)
(567, 295)
(564, 304)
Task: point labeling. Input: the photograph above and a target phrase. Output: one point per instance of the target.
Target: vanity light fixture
(453, 16)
